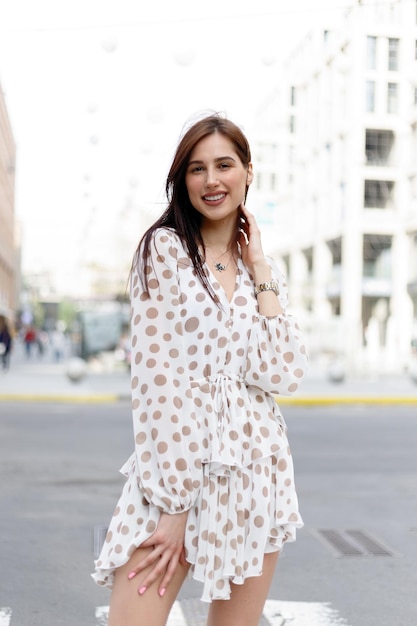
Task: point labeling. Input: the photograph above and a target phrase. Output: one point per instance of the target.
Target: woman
(209, 488)
(5, 343)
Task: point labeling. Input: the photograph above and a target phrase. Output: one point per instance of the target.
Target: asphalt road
(355, 468)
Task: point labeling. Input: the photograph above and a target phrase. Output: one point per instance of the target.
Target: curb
(102, 398)
(331, 400)
(86, 399)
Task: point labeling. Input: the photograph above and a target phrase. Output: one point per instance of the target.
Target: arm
(165, 426)
(277, 358)
(167, 459)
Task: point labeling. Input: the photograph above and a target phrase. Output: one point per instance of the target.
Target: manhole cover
(354, 542)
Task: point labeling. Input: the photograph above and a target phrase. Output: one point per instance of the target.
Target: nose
(211, 177)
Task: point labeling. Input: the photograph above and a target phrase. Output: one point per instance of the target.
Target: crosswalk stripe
(101, 615)
(176, 617)
(302, 614)
(276, 613)
(5, 615)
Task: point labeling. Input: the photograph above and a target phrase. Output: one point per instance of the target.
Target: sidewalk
(107, 381)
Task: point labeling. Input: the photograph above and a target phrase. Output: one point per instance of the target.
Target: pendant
(219, 267)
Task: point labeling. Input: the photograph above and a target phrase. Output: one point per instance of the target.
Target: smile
(218, 196)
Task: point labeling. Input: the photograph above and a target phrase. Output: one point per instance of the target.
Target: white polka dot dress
(209, 435)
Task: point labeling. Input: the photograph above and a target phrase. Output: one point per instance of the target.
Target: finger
(183, 558)
(154, 555)
(243, 239)
(245, 211)
(169, 574)
(158, 571)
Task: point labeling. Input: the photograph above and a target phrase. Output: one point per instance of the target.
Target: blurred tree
(38, 314)
(67, 312)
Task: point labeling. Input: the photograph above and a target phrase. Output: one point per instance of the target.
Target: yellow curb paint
(300, 401)
(93, 399)
(320, 400)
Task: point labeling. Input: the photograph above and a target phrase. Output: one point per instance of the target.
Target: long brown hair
(180, 215)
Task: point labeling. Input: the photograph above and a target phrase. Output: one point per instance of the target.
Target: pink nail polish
(131, 575)
(161, 592)
(142, 590)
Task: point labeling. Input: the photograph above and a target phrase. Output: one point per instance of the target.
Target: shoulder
(167, 249)
(165, 240)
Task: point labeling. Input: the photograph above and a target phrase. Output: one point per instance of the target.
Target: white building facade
(336, 161)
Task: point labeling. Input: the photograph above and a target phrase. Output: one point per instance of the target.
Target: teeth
(214, 198)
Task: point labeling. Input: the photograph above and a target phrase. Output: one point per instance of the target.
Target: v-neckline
(221, 288)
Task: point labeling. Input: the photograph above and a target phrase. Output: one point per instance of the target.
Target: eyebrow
(225, 158)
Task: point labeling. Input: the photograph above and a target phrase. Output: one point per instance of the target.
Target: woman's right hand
(167, 543)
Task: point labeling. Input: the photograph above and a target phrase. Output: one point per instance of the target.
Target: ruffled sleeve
(167, 452)
(277, 357)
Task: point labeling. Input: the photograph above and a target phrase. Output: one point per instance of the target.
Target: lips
(214, 197)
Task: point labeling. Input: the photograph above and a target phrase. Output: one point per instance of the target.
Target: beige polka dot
(282, 465)
(181, 464)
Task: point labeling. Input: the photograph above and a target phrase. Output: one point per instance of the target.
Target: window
(371, 53)
(415, 50)
(292, 96)
(292, 124)
(393, 51)
(378, 194)
(378, 146)
(273, 181)
(370, 96)
(415, 95)
(392, 98)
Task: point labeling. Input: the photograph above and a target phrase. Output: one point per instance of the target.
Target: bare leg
(246, 601)
(129, 608)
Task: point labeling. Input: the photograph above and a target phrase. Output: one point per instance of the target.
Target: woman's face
(216, 178)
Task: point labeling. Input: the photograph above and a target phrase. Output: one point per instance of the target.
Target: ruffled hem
(240, 514)
(236, 525)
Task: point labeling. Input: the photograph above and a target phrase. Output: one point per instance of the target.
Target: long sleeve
(167, 449)
(277, 357)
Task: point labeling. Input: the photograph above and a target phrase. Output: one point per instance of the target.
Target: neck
(219, 238)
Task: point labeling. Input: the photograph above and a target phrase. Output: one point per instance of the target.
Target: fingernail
(142, 590)
(131, 575)
(161, 592)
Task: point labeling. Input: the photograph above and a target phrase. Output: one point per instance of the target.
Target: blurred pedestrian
(42, 340)
(29, 339)
(5, 343)
(210, 486)
(57, 343)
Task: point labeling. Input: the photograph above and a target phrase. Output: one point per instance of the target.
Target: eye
(196, 169)
(224, 166)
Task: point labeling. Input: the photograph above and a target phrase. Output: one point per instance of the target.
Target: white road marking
(277, 612)
(176, 617)
(302, 614)
(101, 615)
(5, 615)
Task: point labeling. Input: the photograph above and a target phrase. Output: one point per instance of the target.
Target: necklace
(221, 267)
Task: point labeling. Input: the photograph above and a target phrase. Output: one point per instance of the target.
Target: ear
(249, 175)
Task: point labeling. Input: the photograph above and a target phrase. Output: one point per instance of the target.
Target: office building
(336, 155)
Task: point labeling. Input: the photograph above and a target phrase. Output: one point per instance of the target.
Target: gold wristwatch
(269, 286)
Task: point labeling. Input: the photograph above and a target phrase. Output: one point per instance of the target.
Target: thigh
(247, 601)
(128, 608)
